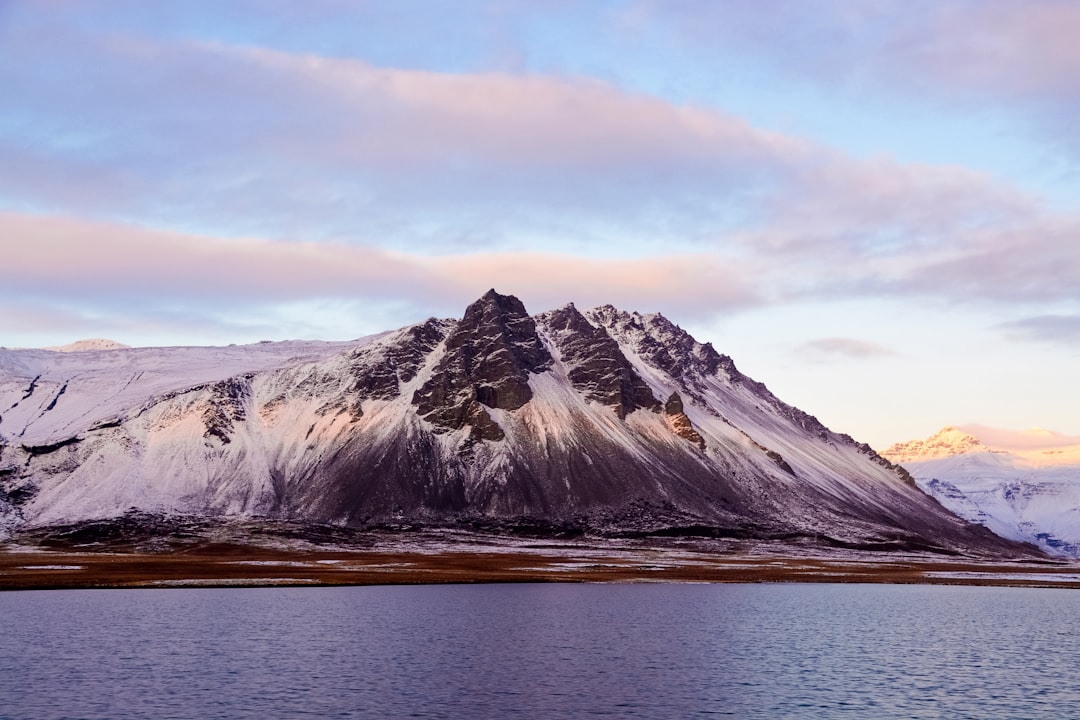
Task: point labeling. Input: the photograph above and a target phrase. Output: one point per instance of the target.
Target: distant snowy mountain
(1023, 486)
(598, 421)
(90, 345)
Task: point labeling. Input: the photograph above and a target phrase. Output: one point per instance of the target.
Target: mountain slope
(604, 421)
(1029, 493)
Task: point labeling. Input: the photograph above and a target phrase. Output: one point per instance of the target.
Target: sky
(873, 207)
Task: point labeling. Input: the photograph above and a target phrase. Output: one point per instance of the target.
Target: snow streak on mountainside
(1030, 492)
(600, 421)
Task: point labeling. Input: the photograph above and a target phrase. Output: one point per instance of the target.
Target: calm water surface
(542, 651)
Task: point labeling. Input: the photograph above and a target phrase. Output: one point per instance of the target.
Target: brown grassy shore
(414, 558)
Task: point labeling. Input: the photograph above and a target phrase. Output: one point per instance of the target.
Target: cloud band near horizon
(60, 262)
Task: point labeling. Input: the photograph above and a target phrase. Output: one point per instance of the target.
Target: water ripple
(552, 651)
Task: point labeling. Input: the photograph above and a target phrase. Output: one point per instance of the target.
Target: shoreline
(398, 561)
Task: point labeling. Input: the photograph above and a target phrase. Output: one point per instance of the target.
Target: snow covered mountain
(602, 421)
(1023, 486)
(88, 345)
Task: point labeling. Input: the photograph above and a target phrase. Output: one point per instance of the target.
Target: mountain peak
(948, 441)
(493, 298)
(488, 358)
(89, 345)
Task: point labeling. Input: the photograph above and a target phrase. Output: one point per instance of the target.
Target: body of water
(542, 651)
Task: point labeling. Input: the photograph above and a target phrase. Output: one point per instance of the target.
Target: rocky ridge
(596, 366)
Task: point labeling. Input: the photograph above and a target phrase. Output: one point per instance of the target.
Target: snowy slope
(603, 420)
(1026, 490)
(47, 395)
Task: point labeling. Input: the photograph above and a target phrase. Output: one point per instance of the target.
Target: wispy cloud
(293, 178)
(139, 272)
(1036, 261)
(1017, 55)
(1055, 329)
(1022, 48)
(844, 348)
(262, 142)
(255, 139)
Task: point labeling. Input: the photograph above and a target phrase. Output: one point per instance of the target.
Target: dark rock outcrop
(372, 372)
(380, 371)
(488, 359)
(596, 367)
(669, 348)
(46, 448)
(664, 345)
(660, 342)
(226, 408)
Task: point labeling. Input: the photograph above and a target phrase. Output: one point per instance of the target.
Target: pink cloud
(58, 258)
(586, 142)
(1036, 261)
(853, 202)
(968, 46)
(1019, 56)
(258, 140)
(693, 285)
(1031, 439)
(67, 256)
(408, 120)
(1023, 46)
(314, 147)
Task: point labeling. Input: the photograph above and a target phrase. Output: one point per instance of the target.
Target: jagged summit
(1022, 485)
(603, 421)
(595, 364)
(660, 342)
(947, 442)
(487, 361)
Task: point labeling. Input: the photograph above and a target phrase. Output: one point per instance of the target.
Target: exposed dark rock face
(14, 488)
(487, 362)
(372, 372)
(664, 345)
(13, 491)
(884, 462)
(680, 423)
(227, 407)
(595, 365)
(669, 348)
(50, 447)
(30, 390)
(379, 371)
(56, 398)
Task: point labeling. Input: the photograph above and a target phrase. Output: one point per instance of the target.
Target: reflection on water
(533, 650)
